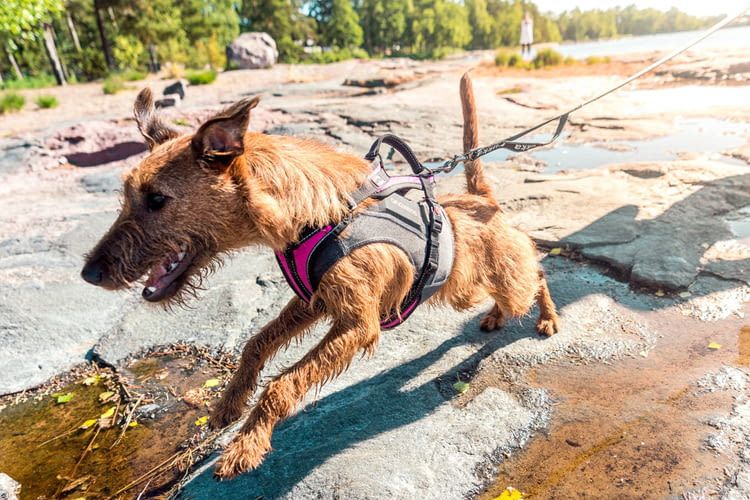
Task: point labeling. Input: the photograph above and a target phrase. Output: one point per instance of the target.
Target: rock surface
(9, 489)
(667, 224)
(253, 51)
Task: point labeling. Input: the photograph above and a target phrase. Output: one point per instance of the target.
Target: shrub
(132, 75)
(597, 59)
(172, 70)
(547, 57)
(113, 84)
(30, 82)
(501, 58)
(201, 77)
(208, 53)
(46, 101)
(127, 52)
(569, 61)
(11, 102)
(335, 55)
(516, 61)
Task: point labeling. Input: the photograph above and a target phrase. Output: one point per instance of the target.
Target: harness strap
(399, 145)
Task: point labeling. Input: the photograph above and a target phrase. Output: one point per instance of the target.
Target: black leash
(511, 143)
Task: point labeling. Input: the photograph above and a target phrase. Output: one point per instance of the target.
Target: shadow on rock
(112, 153)
(350, 416)
(669, 251)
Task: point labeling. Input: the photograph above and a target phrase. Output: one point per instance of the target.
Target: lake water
(705, 136)
(728, 37)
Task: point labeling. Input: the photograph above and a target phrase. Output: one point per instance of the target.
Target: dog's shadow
(353, 415)
(380, 404)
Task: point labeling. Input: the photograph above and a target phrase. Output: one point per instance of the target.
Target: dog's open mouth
(162, 279)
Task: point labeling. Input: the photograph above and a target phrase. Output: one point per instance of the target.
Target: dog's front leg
(296, 318)
(327, 360)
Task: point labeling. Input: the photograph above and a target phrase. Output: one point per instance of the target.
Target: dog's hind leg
(549, 322)
(296, 318)
(326, 361)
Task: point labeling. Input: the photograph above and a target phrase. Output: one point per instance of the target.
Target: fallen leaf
(573, 443)
(714, 346)
(461, 387)
(88, 423)
(202, 421)
(133, 424)
(643, 354)
(555, 251)
(92, 380)
(106, 396)
(108, 413)
(212, 382)
(510, 494)
(659, 293)
(685, 295)
(64, 398)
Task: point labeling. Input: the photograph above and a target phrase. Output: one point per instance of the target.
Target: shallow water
(728, 37)
(705, 136)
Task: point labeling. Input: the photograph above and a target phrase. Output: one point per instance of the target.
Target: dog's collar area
(415, 224)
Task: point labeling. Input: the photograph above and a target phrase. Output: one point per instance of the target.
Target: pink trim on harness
(301, 256)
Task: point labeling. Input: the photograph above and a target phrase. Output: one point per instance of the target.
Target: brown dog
(196, 197)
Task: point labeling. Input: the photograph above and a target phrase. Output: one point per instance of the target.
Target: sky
(694, 7)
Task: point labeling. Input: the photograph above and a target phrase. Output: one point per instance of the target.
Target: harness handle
(399, 145)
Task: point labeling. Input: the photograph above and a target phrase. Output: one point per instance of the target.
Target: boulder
(177, 87)
(168, 101)
(252, 51)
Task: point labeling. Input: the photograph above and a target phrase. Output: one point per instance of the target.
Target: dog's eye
(155, 201)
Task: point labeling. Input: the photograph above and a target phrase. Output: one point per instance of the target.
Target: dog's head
(182, 207)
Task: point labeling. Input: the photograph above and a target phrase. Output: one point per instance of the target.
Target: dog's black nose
(93, 272)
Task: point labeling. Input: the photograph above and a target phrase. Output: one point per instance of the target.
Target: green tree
(384, 25)
(338, 23)
(282, 20)
(202, 19)
(481, 24)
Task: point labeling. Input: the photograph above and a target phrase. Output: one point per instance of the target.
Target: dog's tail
(475, 181)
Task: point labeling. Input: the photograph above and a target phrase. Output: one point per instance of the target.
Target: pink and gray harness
(405, 214)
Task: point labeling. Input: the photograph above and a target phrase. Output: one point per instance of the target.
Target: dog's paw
(245, 453)
(491, 322)
(548, 326)
(224, 414)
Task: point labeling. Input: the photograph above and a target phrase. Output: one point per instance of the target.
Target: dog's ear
(152, 128)
(221, 138)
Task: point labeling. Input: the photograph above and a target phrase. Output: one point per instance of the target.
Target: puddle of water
(743, 346)
(634, 428)
(43, 447)
(739, 224)
(705, 136)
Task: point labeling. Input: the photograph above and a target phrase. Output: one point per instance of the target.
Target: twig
(67, 433)
(127, 422)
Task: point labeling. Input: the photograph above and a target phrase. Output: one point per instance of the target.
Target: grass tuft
(11, 102)
(46, 101)
(201, 77)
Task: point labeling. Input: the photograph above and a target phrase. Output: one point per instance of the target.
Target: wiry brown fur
(228, 189)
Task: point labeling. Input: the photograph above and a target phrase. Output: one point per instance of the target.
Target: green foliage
(113, 84)
(208, 53)
(194, 33)
(30, 82)
(510, 90)
(547, 57)
(128, 52)
(45, 101)
(132, 75)
(334, 55)
(11, 102)
(338, 23)
(201, 77)
(516, 61)
(597, 59)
